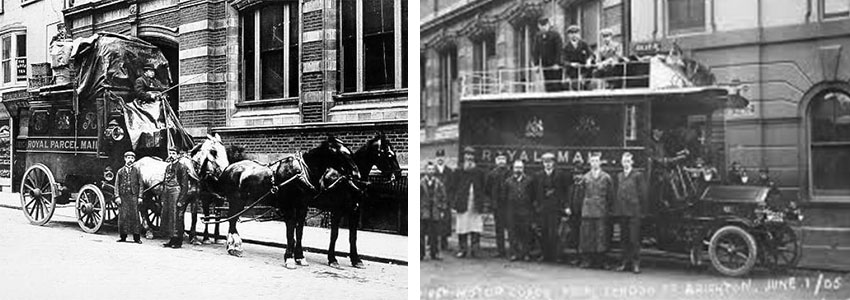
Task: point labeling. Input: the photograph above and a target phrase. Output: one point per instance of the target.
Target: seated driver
(147, 87)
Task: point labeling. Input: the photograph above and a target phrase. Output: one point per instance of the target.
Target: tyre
(733, 251)
(90, 208)
(38, 194)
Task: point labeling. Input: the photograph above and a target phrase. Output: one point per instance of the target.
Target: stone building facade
(274, 76)
(459, 37)
(789, 55)
(23, 42)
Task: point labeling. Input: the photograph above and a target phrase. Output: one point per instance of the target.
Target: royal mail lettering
(60, 144)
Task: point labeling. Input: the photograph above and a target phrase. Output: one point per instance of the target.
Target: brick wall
(203, 118)
(311, 82)
(312, 20)
(171, 19)
(210, 88)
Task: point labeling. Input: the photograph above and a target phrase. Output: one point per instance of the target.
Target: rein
(271, 191)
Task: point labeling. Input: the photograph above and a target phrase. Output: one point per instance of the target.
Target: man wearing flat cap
(550, 188)
(470, 201)
(127, 187)
(577, 55)
(547, 54)
(147, 87)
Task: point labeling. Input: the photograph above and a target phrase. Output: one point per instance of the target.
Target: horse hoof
(301, 262)
(335, 265)
(149, 235)
(358, 265)
(234, 252)
(288, 264)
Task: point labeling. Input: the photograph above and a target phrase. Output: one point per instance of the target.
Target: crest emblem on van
(534, 128)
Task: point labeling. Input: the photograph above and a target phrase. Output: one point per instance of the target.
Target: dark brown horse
(343, 195)
(286, 184)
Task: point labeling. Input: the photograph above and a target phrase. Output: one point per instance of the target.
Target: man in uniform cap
(175, 185)
(127, 187)
(470, 202)
(576, 55)
(495, 182)
(550, 188)
(147, 87)
(445, 174)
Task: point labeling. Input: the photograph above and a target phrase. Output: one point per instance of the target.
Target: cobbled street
(59, 261)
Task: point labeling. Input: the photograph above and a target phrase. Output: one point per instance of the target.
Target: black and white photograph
(204, 149)
(634, 149)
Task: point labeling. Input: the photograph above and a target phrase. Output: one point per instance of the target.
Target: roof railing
(575, 78)
(556, 79)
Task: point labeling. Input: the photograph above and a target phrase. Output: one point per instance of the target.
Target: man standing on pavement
(547, 55)
(598, 194)
(127, 186)
(550, 189)
(470, 202)
(444, 225)
(147, 87)
(495, 182)
(432, 199)
(626, 211)
(517, 205)
(175, 186)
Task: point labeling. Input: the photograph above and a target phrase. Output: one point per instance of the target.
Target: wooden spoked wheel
(90, 208)
(38, 194)
(152, 208)
(111, 212)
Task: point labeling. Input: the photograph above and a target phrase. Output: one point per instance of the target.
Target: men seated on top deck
(609, 56)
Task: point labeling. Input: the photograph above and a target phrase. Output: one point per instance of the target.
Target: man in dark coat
(470, 202)
(175, 186)
(598, 189)
(444, 173)
(518, 206)
(547, 55)
(626, 211)
(432, 199)
(550, 190)
(147, 87)
(495, 182)
(577, 55)
(127, 187)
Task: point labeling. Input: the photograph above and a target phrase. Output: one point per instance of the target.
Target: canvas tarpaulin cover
(109, 62)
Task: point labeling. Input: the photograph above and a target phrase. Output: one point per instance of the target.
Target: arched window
(829, 115)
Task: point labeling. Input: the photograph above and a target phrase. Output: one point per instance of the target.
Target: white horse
(206, 163)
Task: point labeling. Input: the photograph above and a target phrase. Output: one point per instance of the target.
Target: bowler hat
(129, 153)
(149, 67)
(573, 29)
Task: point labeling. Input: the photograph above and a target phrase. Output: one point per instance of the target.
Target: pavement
(661, 279)
(60, 261)
(372, 246)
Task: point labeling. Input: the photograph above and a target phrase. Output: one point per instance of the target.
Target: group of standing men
(549, 208)
(174, 200)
